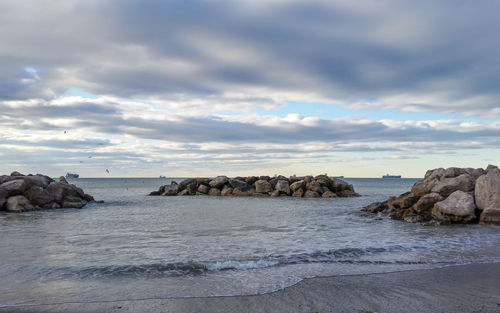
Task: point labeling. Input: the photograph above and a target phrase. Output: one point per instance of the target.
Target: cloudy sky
(199, 88)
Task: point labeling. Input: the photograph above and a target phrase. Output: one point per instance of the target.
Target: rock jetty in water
(260, 186)
(19, 193)
(445, 196)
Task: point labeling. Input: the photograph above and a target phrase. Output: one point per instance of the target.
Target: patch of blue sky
(32, 71)
(332, 111)
(80, 93)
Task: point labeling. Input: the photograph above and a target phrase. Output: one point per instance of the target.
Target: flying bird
(107, 171)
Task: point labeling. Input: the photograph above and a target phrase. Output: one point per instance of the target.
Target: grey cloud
(341, 53)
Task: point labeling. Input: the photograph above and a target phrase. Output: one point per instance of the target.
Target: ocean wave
(344, 255)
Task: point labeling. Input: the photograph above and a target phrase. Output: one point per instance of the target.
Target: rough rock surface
(444, 196)
(19, 193)
(257, 186)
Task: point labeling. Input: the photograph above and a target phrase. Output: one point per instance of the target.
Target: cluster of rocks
(444, 196)
(20, 192)
(260, 186)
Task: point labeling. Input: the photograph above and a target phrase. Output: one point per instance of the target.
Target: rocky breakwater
(20, 193)
(445, 196)
(260, 186)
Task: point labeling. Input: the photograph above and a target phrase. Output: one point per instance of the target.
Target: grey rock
(15, 174)
(311, 194)
(314, 186)
(243, 191)
(185, 192)
(300, 184)
(226, 191)
(73, 202)
(235, 183)
(447, 186)
(376, 207)
(329, 194)
(251, 179)
(214, 192)
(3, 197)
(425, 204)
(218, 182)
(19, 204)
(297, 193)
(487, 197)
(275, 193)
(171, 190)
(283, 187)
(459, 207)
(262, 186)
(183, 184)
(203, 189)
(14, 187)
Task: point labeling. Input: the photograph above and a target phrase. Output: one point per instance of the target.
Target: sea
(135, 246)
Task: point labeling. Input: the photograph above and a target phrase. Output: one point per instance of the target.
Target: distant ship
(338, 177)
(391, 176)
(72, 175)
(162, 176)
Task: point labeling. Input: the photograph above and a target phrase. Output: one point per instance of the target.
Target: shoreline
(456, 288)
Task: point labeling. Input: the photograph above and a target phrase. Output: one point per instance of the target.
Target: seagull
(107, 171)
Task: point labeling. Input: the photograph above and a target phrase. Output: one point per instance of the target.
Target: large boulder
(458, 207)
(73, 202)
(19, 204)
(298, 185)
(183, 184)
(37, 180)
(376, 207)
(283, 187)
(262, 186)
(171, 190)
(424, 205)
(38, 196)
(431, 179)
(218, 182)
(14, 187)
(314, 186)
(311, 194)
(447, 186)
(487, 194)
(203, 189)
(329, 194)
(214, 192)
(243, 191)
(226, 191)
(235, 183)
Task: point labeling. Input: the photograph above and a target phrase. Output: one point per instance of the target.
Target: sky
(248, 87)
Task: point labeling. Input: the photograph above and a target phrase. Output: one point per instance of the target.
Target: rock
(297, 185)
(425, 204)
(266, 178)
(311, 194)
(155, 193)
(214, 192)
(191, 188)
(348, 193)
(432, 178)
(283, 187)
(453, 172)
(314, 186)
(226, 191)
(447, 186)
(19, 204)
(218, 182)
(243, 191)
(14, 187)
(491, 168)
(203, 181)
(459, 207)
(487, 191)
(340, 185)
(403, 202)
(38, 196)
(183, 184)
(5, 178)
(55, 191)
(3, 197)
(308, 178)
(329, 194)
(203, 189)
(235, 183)
(185, 192)
(437, 222)
(171, 190)
(62, 179)
(297, 193)
(293, 179)
(281, 177)
(260, 195)
(15, 174)
(275, 194)
(273, 182)
(262, 186)
(490, 216)
(413, 218)
(376, 207)
(251, 179)
(73, 202)
(487, 194)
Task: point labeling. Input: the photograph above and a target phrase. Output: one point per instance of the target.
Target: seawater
(134, 246)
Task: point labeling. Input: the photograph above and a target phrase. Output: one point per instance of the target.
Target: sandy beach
(467, 288)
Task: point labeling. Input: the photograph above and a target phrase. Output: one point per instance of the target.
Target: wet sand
(467, 288)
